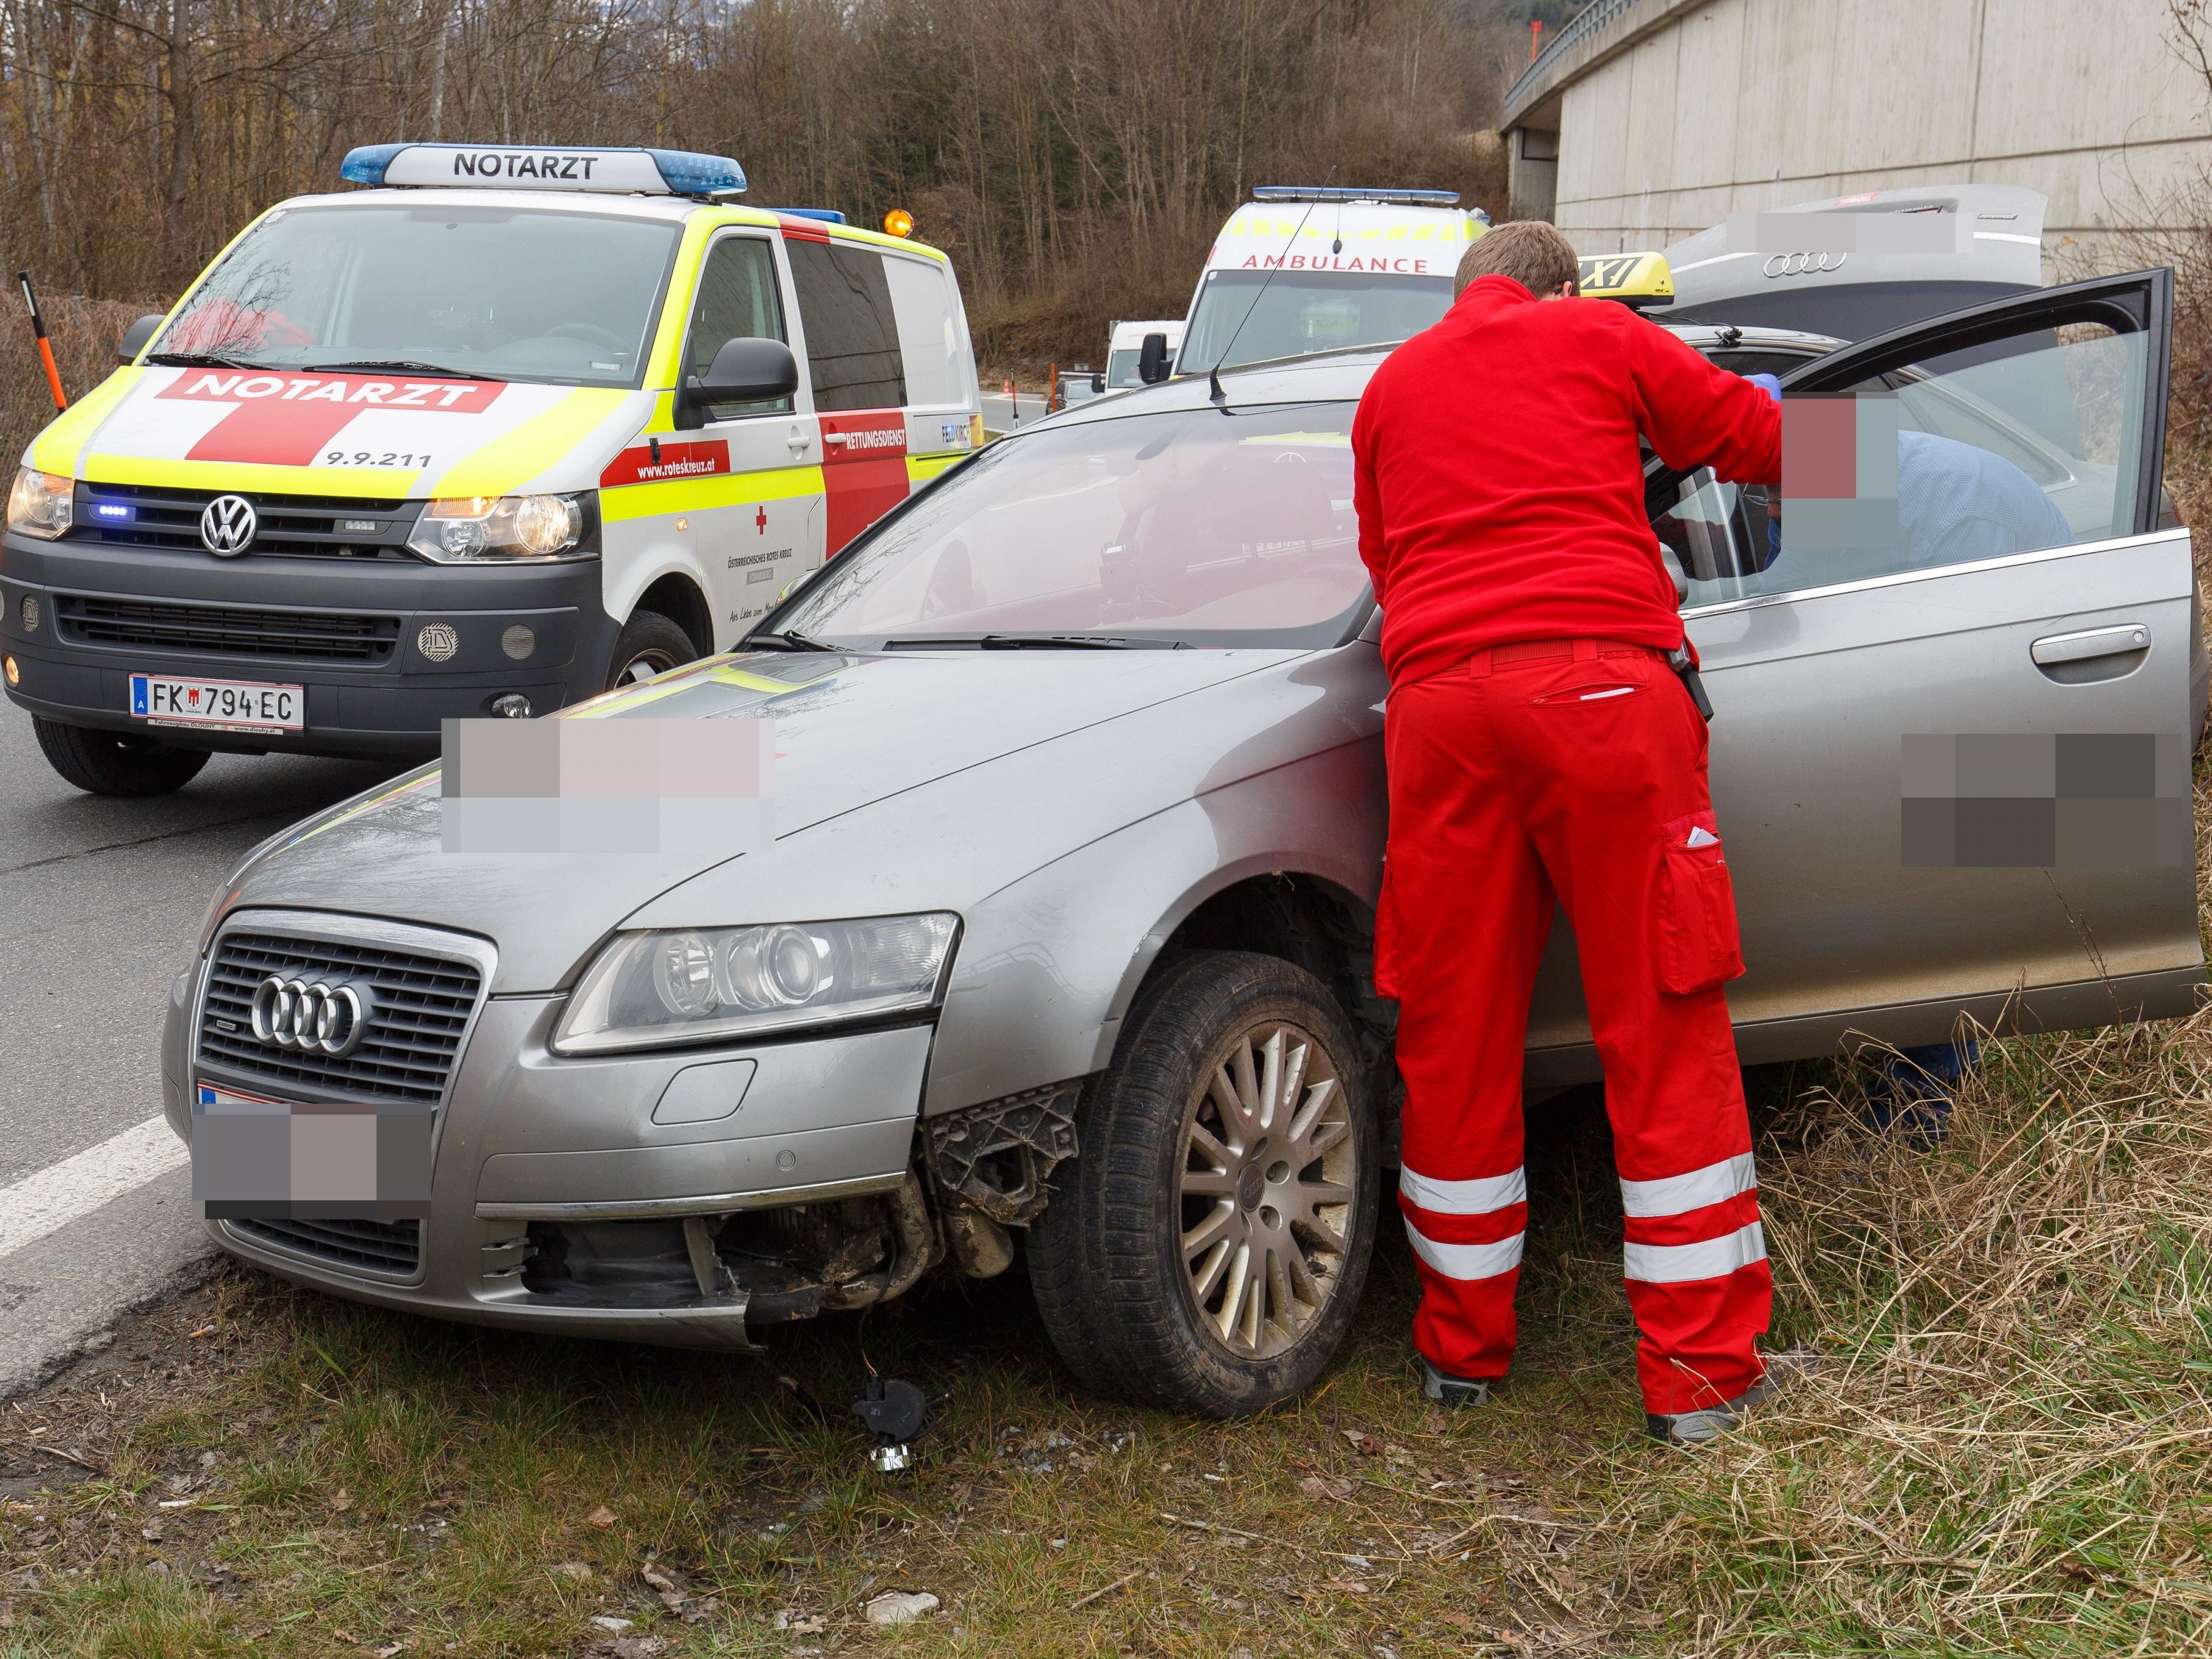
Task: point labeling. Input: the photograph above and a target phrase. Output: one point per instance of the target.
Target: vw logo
(310, 1017)
(1802, 264)
(226, 526)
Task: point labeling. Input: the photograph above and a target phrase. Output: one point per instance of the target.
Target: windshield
(1122, 369)
(1197, 526)
(507, 294)
(1303, 311)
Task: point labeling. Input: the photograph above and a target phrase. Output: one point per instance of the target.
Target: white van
(511, 427)
(1299, 269)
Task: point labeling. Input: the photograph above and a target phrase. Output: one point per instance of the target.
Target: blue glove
(1767, 384)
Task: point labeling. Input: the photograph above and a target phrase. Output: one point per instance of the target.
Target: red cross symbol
(760, 520)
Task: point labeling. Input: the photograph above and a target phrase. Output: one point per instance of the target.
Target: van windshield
(1190, 526)
(1301, 312)
(505, 294)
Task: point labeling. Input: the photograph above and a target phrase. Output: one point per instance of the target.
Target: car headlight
(462, 529)
(41, 504)
(709, 984)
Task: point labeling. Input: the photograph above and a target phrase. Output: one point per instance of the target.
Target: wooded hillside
(1075, 155)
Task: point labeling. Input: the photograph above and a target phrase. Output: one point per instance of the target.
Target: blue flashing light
(112, 511)
(1354, 193)
(690, 173)
(365, 163)
(828, 216)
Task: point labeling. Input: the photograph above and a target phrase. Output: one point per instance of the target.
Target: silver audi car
(1058, 949)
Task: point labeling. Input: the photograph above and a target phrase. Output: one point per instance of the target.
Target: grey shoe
(1448, 1390)
(1709, 1423)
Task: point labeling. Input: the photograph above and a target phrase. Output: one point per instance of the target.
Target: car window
(738, 299)
(509, 294)
(929, 336)
(1256, 316)
(1193, 524)
(851, 329)
(2029, 443)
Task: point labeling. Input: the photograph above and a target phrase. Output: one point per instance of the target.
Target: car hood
(850, 732)
(358, 433)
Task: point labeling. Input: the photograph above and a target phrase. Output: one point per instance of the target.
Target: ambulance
(508, 427)
(1300, 269)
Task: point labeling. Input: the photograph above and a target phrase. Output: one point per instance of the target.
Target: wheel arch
(677, 595)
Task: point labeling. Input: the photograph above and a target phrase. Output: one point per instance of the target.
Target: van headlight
(714, 984)
(42, 504)
(462, 529)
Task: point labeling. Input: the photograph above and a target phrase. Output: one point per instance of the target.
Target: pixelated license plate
(258, 1158)
(217, 705)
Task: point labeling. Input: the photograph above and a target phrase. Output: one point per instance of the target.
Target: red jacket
(1497, 481)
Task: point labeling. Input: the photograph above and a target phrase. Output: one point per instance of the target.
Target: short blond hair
(1531, 252)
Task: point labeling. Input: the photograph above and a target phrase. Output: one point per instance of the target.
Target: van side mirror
(135, 338)
(744, 371)
(1153, 360)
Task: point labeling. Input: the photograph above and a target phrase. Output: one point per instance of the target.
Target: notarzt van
(1298, 270)
(515, 426)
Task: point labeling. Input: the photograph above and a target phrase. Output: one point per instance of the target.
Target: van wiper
(201, 359)
(399, 366)
(787, 641)
(1032, 643)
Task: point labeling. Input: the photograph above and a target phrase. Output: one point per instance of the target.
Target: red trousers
(1573, 769)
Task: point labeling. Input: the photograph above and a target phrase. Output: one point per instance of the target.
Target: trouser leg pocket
(1698, 946)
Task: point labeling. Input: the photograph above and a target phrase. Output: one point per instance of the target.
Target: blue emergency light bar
(828, 216)
(619, 170)
(1354, 193)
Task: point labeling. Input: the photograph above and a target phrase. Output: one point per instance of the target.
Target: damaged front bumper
(668, 1198)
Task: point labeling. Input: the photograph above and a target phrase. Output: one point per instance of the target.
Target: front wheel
(116, 763)
(649, 644)
(1206, 1249)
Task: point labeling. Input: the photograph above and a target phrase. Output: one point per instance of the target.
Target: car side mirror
(1153, 360)
(135, 338)
(1098, 385)
(744, 371)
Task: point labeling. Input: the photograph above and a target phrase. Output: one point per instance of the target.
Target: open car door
(1950, 666)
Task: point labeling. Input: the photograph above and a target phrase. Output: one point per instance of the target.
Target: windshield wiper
(202, 359)
(787, 641)
(1034, 642)
(399, 366)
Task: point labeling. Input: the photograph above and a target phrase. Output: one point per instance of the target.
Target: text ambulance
(1298, 270)
(517, 426)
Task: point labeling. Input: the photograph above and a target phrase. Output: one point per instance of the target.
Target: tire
(117, 763)
(1145, 1193)
(649, 644)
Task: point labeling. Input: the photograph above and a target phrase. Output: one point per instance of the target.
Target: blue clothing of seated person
(1957, 503)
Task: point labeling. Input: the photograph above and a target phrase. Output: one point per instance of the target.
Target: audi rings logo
(226, 526)
(1802, 264)
(310, 1017)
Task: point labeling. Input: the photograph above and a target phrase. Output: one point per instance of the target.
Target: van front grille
(225, 631)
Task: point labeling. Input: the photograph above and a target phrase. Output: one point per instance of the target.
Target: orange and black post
(45, 346)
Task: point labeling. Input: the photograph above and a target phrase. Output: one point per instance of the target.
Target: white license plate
(217, 705)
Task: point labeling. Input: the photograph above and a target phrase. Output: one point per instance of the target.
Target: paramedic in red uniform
(1540, 747)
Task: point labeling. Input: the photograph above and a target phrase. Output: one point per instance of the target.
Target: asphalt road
(103, 900)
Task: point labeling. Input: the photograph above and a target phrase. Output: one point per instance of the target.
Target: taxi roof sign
(617, 170)
(1641, 282)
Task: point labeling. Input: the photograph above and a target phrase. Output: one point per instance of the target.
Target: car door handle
(799, 441)
(2095, 643)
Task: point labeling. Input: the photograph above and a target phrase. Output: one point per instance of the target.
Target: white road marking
(61, 1193)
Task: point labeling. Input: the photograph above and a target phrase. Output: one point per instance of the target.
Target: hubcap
(644, 666)
(1266, 1181)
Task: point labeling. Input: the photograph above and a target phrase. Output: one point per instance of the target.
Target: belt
(1521, 654)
